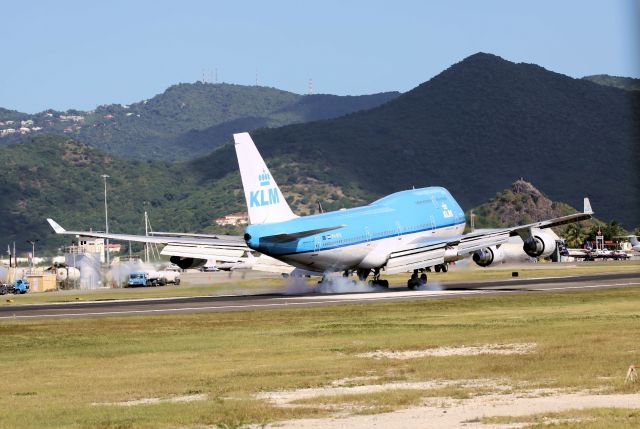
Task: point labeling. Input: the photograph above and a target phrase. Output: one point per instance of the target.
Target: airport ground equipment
(3, 289)
(153, 278)
(20, 287)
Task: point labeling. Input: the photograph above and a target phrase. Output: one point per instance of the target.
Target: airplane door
(398, 230)
(433, 224)
(367, 234)
(316, 243)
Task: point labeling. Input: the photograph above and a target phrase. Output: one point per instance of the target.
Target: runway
(140, 307)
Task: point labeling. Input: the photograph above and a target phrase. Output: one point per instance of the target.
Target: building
(240, 218)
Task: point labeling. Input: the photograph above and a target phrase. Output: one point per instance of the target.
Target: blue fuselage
(412, 212)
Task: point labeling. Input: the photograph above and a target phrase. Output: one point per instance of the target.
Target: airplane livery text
(261, 198)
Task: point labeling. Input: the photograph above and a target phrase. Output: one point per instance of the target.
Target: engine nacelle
(186, 263)
(539, 245)
(488, 255)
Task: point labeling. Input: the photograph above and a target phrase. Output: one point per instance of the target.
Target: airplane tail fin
(265, 202)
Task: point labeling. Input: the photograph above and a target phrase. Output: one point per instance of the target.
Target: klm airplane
(412, 230)
(409, 231)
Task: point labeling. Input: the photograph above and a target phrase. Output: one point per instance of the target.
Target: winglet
(587, 206)
(57, 228)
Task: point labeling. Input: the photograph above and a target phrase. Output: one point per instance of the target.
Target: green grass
(54, 370)
(237, 285)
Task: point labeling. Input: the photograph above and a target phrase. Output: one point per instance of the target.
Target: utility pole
(146, 232)
(106, 215)
(33, 254)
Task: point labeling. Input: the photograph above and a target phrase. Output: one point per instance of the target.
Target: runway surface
(139, 307)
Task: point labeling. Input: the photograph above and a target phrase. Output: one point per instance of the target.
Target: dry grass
(583, 418)
(55, 370)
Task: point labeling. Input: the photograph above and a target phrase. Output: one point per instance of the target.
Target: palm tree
(575, 235)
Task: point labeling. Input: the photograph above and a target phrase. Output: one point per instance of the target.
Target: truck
(20, 287)
(153, 278)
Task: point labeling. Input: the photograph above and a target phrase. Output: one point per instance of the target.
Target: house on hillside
(240, 218)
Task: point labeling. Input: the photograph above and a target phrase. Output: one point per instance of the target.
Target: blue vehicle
(147, 278)
(20, 287)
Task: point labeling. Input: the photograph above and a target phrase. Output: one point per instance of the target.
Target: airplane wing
(228, 249)
(433, 251)
(230, 240)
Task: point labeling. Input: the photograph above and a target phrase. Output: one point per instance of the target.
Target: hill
(58, 177)
(475, 128)
(186, 121)
(626, 83)
(520, 204)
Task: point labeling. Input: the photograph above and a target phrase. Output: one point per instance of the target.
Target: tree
(575, 235)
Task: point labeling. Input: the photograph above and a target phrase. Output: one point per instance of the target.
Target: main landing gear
(415, 281)
(376, 281)
(442, 267)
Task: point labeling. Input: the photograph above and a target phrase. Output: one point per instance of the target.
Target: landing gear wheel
(444, 267)
(379, 283)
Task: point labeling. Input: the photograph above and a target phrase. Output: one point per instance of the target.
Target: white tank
(67, 273)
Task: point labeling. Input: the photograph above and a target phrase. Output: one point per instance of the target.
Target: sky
(81, 54)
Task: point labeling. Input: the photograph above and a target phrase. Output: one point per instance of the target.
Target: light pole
(33, 254)
(106, 215)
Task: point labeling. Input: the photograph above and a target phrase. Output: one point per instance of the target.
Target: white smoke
(339, 284)
(90, 277)
(3, 275)
(297, 285)
(431, 286)
(119, 273)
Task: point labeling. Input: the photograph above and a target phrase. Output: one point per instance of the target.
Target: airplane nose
(247, 237)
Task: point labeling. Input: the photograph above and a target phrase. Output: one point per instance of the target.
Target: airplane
(406, 231)
(633, 240)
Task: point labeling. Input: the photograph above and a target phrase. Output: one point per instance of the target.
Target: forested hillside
(475, 128)
(626, 83)
(184, 122)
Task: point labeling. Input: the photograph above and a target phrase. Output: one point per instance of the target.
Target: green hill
(519, 204)
(626, 83)
(474, 128)
(186, 121)
(57, 177)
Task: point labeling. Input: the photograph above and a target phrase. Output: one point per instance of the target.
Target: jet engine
(185, 263)
(488, 255)
(539, 245)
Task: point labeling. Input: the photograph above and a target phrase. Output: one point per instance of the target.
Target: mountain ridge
(185, 121)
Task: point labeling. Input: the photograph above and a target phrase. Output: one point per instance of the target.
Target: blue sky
(80, 54)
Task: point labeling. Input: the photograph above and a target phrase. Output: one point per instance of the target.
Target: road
(138, 307)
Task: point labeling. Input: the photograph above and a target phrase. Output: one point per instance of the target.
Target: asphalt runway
(141, 307)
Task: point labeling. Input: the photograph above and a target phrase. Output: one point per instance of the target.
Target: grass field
(198, 284)
(77, 373)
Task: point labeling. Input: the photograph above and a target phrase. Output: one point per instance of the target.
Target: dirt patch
(284, 398)
(145, 401)
(496, 349)
(455, 413)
